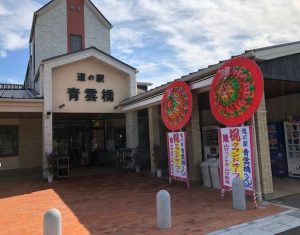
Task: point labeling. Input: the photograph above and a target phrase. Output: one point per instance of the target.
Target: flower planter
(159, 173)
(137, 169)
(50, 178)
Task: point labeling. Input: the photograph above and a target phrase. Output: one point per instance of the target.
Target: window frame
(14, 131)
(75, 36)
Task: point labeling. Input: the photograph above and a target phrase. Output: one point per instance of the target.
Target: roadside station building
(72, 90)
(78, 99)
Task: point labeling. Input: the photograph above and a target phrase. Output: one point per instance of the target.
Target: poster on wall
(177, 156)
(236, 157)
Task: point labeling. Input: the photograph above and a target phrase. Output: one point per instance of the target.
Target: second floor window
(76, 43)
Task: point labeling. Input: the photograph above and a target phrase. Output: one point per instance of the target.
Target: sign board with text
(177, 156)
(236, 157)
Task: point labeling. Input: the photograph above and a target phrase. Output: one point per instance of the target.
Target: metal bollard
(52, 222)
(238, 194)
(163, 209)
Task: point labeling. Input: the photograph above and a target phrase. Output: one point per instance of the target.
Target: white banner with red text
(177, 156)
(236, 157)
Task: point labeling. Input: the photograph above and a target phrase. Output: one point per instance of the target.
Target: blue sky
(163, 39)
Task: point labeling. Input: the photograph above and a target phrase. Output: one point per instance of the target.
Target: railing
(6, 86)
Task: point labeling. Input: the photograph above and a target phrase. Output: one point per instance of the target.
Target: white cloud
(15, 23)
(125, 39)
(10, 80)
(117, 10)
(3, 54)
(3, 11)
(168, 39)
(203, 32)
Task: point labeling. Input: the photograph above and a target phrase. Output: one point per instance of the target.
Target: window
(76, 43)
(8, 141)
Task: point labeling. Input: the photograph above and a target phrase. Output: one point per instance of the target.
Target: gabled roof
(52, 2)
(91, 49)
(259, 54)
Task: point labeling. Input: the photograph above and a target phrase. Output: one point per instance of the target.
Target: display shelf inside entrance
(124, 158)
(63, 166)
(292, 140)
(236, 91)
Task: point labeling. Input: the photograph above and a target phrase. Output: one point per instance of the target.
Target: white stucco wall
(96, 33)
(51, 33)
(65, 77)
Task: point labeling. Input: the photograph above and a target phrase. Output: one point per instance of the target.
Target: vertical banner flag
(236, 157)
(177, 155)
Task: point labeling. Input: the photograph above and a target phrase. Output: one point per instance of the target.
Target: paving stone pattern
(117, 204)
(277, 224)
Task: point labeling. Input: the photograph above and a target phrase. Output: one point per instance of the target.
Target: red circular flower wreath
(176, 105)
(236, 91)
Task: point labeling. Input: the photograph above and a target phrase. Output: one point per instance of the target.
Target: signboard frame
(170, 158)
(252, 158)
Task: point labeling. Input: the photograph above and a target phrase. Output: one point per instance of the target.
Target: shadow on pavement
(292, 200)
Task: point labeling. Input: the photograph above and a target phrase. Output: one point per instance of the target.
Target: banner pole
(222, 194)
(257, 173)
(255, 199)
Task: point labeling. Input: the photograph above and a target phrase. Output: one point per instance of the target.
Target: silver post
(52, 222)
(238, 194)
(163, 207)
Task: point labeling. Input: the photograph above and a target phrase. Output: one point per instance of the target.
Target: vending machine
(210, 142)
(292, 140)
(277, 149)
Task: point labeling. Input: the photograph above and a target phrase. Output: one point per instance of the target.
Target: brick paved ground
(122, 203)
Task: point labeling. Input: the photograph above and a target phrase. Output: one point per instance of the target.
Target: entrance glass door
(81, 140)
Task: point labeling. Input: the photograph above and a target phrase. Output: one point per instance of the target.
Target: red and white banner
(236, 157)
(177, 156)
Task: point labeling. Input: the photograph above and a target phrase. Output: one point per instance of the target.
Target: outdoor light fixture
(48, 114)
(61, 106)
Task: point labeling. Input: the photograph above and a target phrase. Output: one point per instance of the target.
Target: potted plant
(158, 160)
(50, 166)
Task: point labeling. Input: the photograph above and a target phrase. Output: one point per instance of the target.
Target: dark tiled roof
(16, 91)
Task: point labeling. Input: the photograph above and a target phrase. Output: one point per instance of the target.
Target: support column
(262, 143)
(194, 143)
(154, 136)
(132, 134)
(47, 117)
(133, 86)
